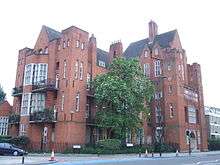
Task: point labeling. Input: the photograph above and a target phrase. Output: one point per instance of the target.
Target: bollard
(146, 153)
(22, 162)
(177, 153)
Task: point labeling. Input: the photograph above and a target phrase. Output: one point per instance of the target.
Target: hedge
(214, 144)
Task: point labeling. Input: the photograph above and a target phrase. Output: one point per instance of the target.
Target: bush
(109, 144)
(5, 139)
(21, 141)
(214, 144)
(164, 147)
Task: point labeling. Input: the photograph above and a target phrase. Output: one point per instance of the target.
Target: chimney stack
(152, 30)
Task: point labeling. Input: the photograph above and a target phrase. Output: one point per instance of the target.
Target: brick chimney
(115, 50)
(152, 30)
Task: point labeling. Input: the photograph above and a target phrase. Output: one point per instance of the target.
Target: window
(64, 69)
(198, 137)
(171, 110)
(186, 114)
(140, 136)
(64, 44)
(145, 53)
(158, 95)
(37, 102)
(169, 67)
(40, 51)
(22, 130)
(77, 102)
(76, 69)
(28, 74)
(147, 70)
(77, 44)
(192, 114)
(87, 108)
(81, 71)
(170, 89)
(101, 63)
(128, 136)
(158, 113)
(59, 47)
(157, 68)
(25, 104)
(46, 50)
(156, 51)
(62, 101)
(3, 125)
(40, 73)
(68, 43)
(83, 46)
(88, 80)
(158, 134)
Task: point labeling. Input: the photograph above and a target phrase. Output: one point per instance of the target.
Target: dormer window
(41, 51)
(82, 45)
(101, 63)
(156, 51)
(46, 50)
(145, 53)
(64, 44)
(68, 43)
(77, 44)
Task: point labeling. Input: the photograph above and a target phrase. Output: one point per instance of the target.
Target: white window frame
(171, 108)
(77, 43)
(147, 69)
(62, 101)
(28, 71)
(23, 129)
(88, 81)
(37, 102)
(145, 53)
(101, 63)
(192, 114)
(81, 71)
(64, 68)
(3, 125)
(157, 68)
(82, 45)
(40, 71)
(76, 69)
(25, 109)
(77, 102)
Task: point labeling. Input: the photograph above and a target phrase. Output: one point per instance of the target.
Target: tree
(2, 94)
(121, 95)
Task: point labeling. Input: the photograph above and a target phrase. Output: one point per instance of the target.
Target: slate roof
(52, 34)
(102, 55)
(136, 48)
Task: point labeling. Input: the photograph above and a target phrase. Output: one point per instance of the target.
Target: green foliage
(214, 144)
(20, 141)
(2, 94)
(120, 96)
(5, 138)
(109, 144)
(164, 147)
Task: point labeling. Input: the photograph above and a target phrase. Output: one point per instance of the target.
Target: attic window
(46, 50)
(68, 43)
(101, 63)
(83, 46)
(77, 44)
(145, 53)
(64, 44)
(156, 51)
(40, 51)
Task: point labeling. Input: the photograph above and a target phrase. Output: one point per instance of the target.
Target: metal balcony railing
(45, 116)
(45, 85)
(17, 91)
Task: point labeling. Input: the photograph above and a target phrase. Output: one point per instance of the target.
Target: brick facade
(73, 59)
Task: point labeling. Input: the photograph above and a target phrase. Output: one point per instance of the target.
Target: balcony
(45, 116)
(45, 85)
(14, 119)
(17, 91)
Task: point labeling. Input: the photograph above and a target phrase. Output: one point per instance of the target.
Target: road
(206, 158)
(193, 160)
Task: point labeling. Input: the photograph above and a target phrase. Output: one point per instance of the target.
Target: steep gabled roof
(136, 48)
(102, 55)
(52, 34)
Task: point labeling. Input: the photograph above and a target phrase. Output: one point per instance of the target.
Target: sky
(197, 22)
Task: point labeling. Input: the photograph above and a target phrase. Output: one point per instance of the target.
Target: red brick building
(5, 109)
(53, 99)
